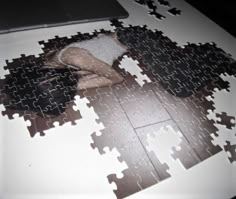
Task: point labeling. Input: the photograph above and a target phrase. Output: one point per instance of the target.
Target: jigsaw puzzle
(166, 98)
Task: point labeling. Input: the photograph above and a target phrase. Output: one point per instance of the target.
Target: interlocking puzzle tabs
(153, 6)
(171, 99)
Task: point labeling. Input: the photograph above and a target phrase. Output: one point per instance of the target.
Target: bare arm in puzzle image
(92, 60)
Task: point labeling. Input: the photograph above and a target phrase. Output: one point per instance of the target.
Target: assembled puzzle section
(174, 69)
(189, 111)
(119, 133)
(170, 145)
(26, 91)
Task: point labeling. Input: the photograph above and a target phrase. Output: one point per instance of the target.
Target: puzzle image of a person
(153, 97)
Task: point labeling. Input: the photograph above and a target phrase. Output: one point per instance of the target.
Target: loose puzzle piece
(164, 3)
(226, 120)
(174, 11)
(232, 150)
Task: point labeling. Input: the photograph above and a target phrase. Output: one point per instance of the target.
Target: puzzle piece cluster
(232, 150)
(152, 6)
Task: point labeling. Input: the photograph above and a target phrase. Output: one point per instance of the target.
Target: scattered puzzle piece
(174, 11)
(164, 3)
(152, 7)
(226, 120)
(232, 150)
